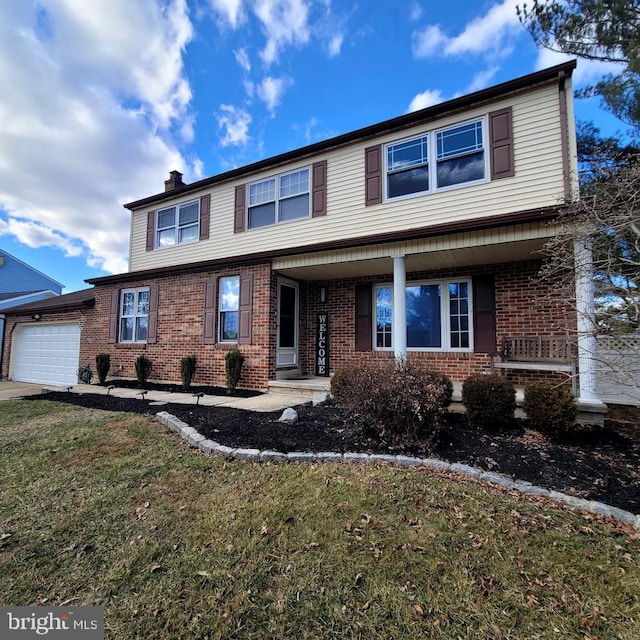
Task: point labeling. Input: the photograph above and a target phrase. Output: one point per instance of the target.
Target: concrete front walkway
(265, 402)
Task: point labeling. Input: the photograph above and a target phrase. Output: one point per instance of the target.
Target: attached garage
(46, 353)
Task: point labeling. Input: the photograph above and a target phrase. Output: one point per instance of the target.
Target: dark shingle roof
(77, 299)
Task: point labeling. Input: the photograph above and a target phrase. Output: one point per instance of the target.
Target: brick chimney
(174, 181)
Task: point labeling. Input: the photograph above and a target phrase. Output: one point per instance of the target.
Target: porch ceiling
(333, 266)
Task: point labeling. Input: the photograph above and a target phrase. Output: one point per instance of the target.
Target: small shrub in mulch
(398, 399)
(490, 401)
(550, 408)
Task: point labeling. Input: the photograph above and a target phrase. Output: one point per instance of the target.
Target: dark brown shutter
(501, 144)
(152, 332)
(210, 311)
(239, 208)
(114, 309)
(205, 214)
(484, 313)
(151, 230)
(364, 317)
(373, 175)
(246, 296)
(319, 189)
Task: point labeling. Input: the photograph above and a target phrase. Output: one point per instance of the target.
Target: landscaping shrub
(143, 370)
(188, 370)
(490, 401)
(103, 364)
(233, 362)
(401, 401)
(550, 408)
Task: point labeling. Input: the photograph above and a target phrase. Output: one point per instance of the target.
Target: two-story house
(416, 237)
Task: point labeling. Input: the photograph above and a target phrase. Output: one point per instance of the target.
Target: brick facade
(522, 308)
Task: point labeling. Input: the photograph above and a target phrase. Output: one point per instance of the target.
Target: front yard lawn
(110, 509)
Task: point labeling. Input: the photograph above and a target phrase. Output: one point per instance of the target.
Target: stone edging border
(210, 447)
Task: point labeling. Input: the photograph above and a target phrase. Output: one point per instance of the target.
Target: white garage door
(47, 354)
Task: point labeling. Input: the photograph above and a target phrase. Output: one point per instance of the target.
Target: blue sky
(98, 105)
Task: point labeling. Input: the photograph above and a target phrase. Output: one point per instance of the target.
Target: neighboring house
(297, 260)
(21, 284)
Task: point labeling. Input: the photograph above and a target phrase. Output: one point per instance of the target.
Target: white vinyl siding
(538, 182)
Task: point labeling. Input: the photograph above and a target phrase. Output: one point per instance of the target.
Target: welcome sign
(322, 345)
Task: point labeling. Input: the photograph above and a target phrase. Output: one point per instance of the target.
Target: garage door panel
(47, 354)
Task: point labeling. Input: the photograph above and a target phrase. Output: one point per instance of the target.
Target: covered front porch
(327, 282)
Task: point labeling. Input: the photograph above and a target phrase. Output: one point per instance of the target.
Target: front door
(287, 323)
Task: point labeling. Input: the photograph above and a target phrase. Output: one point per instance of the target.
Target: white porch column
(399, 309)
(585, 309)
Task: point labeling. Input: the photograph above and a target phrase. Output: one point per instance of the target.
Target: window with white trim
(436, 160)
(134, 315)
(279, 199)
(229, 309)
(438, 315)
(178, 225)
(460, 154)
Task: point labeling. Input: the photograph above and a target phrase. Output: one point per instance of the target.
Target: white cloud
(231, 11)
(425, 99)
(489, 33)
(234, 123)
(197, 168)
(587, 71)
(88, 122)
(335, 45)
(270, 91)
(284, 23)
(429, 41)
(482, 79)
(242, 58)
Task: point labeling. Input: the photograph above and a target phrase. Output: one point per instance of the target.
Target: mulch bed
(596, 463)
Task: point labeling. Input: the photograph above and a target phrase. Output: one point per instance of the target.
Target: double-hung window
(436, 160)
(460, 154)
(408, 167)
(134, 315)
(178, 225)
(438, 315)
(279, 199)
(229, 309)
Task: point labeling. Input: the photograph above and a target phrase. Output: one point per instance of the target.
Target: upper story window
(443, 158)
(134, 315)
(279, 199)
(408, 167)
(178, 225)
(438, 315)
(460, 154)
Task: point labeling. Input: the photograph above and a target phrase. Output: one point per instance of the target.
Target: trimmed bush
(233, 362)
(490, 401)
(143, 370)
(401, 401)
(550, 408)
(187, 370)
(103, 364)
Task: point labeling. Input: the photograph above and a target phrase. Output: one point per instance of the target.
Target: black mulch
(596, 463)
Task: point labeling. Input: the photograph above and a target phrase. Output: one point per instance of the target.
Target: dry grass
(109, 509)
